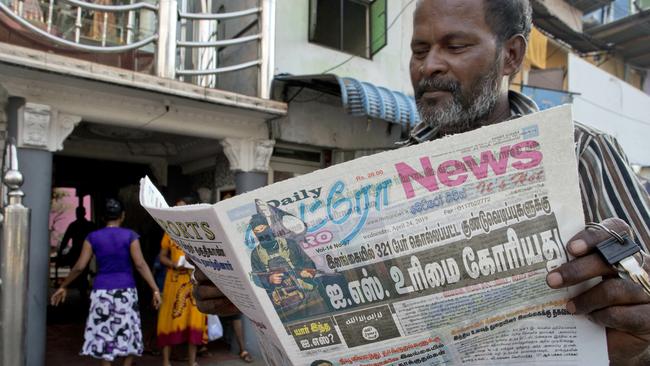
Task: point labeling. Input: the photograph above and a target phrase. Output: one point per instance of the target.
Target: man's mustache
(436, 84)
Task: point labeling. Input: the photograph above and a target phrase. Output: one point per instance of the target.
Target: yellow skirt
(179, 320)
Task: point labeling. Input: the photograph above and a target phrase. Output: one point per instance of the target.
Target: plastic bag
(183, 263)
(215, 330)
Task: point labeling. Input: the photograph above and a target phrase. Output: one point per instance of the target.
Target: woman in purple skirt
(113, 326)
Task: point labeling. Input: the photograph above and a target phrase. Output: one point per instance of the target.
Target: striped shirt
(608, 185)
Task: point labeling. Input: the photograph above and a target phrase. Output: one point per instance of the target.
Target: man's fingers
(622, 346)
(579, 270)
(199, 276)
(221, 307)
(633, 319)
(206, 292)
(210, 300)
(586, 240)
(611, 292)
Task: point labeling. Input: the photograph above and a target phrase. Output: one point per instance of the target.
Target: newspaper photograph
(431, 254)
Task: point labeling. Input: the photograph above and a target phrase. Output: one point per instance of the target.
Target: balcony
(629, 37)
(587, 6)
(174, 39)
(625, 30)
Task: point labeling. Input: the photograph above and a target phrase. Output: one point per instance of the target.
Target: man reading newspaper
(463, 54)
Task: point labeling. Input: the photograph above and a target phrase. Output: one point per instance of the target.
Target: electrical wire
(598, 105)
(167, 109)
(313, 99)
(295, 95)
(547, 89)
(392, 23)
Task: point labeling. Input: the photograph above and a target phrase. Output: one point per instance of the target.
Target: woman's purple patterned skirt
(113, 327)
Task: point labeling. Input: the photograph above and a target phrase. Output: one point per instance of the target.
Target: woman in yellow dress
(179, 320)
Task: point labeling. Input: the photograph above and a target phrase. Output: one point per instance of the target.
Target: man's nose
(435, 63)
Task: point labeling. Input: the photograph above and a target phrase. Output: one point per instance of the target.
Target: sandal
(245, 356)
(204, 352)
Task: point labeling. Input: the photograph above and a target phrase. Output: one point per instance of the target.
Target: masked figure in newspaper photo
(280, 265)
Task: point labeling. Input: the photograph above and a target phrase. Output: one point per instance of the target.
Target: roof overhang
(550, 23)
(122, 98)
(629, 37)
(357, 97)
(37, 61)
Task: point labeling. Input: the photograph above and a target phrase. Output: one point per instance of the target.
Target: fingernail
(571, 307)
(554, 279)
(578, 247)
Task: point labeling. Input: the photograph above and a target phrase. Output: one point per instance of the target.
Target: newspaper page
(430, 254)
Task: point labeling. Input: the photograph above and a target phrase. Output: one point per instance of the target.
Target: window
(353, 26)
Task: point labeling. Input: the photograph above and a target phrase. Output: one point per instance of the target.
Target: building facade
(97, 94)
(224, 96)
(595, 55)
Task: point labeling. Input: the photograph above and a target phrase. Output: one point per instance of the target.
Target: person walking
(113, 326)
(179, 320)
(76, 232)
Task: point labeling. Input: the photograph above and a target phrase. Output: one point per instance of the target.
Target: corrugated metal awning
(545, 20)
(358, 98)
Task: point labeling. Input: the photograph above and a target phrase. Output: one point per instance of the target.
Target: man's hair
(508, 18)
(189, 199)
(80, 212)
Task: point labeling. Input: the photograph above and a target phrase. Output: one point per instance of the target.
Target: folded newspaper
(430, 254)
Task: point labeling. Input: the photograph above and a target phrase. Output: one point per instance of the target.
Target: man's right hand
(209, 299)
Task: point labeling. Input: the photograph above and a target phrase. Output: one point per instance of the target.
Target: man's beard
(466, 110)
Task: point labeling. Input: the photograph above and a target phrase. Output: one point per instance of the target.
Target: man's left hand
(618, 304)
(209, 299)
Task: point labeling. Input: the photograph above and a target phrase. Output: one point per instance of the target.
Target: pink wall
(62, 212)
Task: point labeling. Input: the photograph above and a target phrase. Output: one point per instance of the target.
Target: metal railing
(80, 6)
(14, 251)
(168, 17)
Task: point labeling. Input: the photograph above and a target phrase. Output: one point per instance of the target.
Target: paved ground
(65, 337)
(64, 342)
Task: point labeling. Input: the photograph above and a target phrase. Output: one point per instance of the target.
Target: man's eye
(457, 47)
(420, 53)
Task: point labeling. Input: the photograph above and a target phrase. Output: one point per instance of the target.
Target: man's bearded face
(466, 108)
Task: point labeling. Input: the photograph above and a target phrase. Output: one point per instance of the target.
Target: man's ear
(514, 51)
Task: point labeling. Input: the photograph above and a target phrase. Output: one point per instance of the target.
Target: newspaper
(431, 254)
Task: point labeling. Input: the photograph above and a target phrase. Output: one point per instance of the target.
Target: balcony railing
(103, 27)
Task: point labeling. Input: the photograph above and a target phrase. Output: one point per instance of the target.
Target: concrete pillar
(39, 131)
(248, 181)
(4, 100)
(249, 159)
